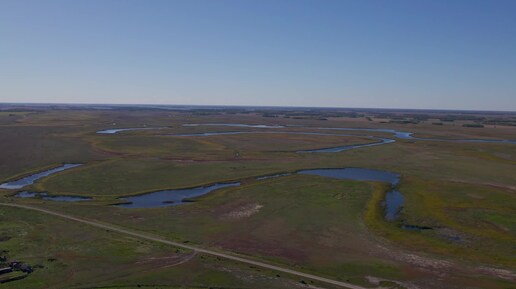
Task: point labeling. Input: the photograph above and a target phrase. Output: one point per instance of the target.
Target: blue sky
(392, 54)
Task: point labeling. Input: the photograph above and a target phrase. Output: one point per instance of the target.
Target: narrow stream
(29, 180)
(395, 133)
(377, 140)
(117, 130)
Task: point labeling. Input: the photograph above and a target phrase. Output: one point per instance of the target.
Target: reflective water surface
(29, 180)
(45, 196)
(170, 197)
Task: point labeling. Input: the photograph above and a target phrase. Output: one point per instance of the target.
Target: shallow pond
(393, 198)
(48, 197)
(170, 197)
(393, 202)
(29, 180)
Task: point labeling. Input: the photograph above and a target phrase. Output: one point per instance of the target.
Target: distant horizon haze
(245, 106)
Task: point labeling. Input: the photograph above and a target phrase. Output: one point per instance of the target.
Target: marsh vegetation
(321, 213)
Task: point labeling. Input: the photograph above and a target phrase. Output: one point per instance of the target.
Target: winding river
(393, 199)
(29, 180)
(117, 130)
(378, 140)
(395, 133)
(170, 197)
(164, 198)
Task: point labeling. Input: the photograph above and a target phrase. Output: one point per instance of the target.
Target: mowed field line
(228, 256)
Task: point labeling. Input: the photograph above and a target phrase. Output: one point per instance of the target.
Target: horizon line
(251, 106)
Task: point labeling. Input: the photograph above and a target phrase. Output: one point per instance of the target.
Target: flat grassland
(461, 196)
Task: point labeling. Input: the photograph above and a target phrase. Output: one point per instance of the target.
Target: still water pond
(170, 197)
(45, 196)
(393, 198)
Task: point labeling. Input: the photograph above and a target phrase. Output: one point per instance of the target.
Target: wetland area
(363, 202)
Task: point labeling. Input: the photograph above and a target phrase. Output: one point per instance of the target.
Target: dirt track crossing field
(180, 245)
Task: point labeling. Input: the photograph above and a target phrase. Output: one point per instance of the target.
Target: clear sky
(393, 54)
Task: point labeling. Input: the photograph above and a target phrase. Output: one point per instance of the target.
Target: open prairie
(454, 227)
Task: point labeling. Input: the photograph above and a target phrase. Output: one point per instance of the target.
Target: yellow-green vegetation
(307, 222)
(473, 223)
(65, 254)
(463, 194)
(130, 176)
(248, 146)
(466, 218)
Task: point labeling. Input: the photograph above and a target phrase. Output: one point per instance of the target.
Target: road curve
(182, 245)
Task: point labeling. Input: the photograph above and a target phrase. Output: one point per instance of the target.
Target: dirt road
(225, 255)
